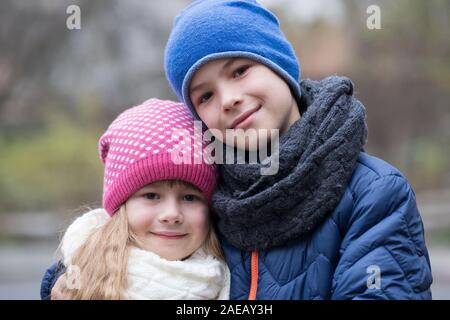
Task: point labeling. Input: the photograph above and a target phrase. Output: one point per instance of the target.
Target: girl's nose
(171, 213)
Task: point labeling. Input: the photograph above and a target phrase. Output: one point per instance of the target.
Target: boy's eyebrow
(224, 67)
(228, 64)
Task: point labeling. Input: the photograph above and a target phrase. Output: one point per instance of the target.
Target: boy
(333, 222)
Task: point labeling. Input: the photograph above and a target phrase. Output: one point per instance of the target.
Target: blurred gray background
(60, 88)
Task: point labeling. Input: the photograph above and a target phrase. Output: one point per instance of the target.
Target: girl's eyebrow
(148, 187)
(225, 66)
(186, 188)
(192, 190)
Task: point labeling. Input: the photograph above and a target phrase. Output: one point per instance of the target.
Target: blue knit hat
(211, 29)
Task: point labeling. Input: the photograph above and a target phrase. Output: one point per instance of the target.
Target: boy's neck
(293, 116)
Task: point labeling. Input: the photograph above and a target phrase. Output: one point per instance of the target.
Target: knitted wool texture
(211, 29)
(154, 141)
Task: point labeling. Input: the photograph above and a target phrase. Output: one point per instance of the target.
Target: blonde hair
(102, 261)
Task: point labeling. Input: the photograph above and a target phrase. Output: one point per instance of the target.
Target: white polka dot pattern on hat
(152, 128)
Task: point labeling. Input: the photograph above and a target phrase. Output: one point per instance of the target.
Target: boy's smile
(239, 93)
(245, 119)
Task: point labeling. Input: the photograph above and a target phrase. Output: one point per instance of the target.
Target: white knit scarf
(201, 276)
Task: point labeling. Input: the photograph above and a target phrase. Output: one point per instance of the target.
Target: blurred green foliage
(55, 167)
(424, 161)
(438, 237)
(55, 105)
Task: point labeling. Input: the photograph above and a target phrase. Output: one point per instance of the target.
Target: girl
(154, 238)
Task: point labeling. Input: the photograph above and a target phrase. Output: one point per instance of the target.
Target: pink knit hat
(139, 147)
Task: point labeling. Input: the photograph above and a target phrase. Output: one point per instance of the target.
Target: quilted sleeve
(50, 277)
(383, 253)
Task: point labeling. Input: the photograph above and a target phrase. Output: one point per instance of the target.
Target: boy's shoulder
(374, 167)
(377, 190)
(369, 169)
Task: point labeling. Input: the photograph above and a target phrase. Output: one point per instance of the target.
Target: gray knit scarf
(317, 156)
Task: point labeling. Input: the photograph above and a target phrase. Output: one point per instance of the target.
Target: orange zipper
(254, 276)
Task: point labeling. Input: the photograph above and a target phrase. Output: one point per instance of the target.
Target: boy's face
(170, 220)
(239, 93)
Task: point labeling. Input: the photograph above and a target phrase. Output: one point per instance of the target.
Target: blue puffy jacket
(371, 247)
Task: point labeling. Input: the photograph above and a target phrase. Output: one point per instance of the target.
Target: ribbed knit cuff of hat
(292, 83)
(156, 168)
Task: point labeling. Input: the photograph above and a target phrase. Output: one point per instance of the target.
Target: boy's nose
(231, 98)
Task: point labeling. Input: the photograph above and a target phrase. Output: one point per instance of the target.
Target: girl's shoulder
(80, 230)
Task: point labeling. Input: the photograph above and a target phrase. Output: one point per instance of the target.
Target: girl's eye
(204, 98)
(151, 196)
(240, 71)
(190, 197)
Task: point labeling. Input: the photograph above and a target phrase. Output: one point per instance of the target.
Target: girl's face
(169, 219)
(238, 93)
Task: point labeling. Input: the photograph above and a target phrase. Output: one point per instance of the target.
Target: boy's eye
(240, 71)
(205, 97)
(151, 196)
